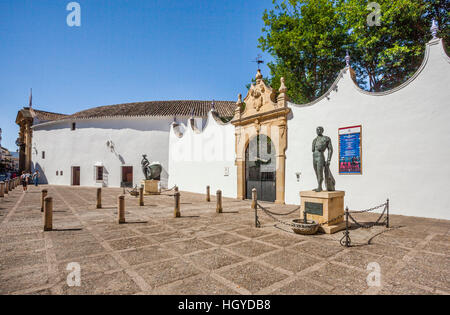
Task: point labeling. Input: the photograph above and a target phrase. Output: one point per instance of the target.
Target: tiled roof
(158, 108)
(47, 116)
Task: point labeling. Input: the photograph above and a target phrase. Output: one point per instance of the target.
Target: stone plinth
(324, 206)
(151, 187)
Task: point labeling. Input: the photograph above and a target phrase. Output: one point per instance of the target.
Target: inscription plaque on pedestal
(314, 208)
(325, 208)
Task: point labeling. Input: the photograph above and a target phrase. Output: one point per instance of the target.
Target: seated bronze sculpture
(151, 171)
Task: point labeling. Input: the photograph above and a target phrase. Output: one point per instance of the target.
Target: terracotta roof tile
(47, 116)
(158, 108)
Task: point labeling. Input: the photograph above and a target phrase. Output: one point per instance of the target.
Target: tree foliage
(309, 39)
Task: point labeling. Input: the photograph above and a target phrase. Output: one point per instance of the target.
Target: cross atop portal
(259, 60)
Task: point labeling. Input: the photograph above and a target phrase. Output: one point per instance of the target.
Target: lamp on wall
(298, 174)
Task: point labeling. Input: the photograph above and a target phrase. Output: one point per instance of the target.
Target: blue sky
(124, 51)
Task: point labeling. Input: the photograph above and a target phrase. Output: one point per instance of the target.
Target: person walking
(36, 178)
(24, 180)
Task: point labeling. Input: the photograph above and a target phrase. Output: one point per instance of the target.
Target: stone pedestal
(324, 206)
(151, 187)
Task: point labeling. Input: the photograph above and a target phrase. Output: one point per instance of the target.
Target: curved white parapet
(198, 158)
(405, 140)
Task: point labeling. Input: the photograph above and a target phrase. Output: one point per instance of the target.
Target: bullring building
(392, 144)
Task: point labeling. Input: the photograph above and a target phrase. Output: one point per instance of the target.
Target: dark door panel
(260, 168)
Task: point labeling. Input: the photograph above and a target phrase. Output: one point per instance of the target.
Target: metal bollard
(44, 194)
(219, 208)
(177, 213)
(141, 196)
(347, 238)
(387, 209)
(99, 198)
(121, 209)
(6, 187)
(176, 189)
(208, 194)
(2, 189)
(255, 206)
(48, 214)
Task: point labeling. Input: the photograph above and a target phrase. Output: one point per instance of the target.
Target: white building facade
(404, 134)
(404, 143)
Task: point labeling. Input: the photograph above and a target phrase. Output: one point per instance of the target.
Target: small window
(43, 155)
(61, 173)
(74, 126)
(99, 173)
(57, 173)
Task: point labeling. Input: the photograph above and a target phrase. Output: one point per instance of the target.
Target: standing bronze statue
(321, 167)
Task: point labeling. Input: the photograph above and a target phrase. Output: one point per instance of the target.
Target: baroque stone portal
(262, 115)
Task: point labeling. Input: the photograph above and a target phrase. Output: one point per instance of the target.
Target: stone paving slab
(204, 252)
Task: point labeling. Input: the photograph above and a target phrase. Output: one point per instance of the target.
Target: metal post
(255, 205)
(347, 240)
(43, 195)
(121, 209)
(99, 198)
(6, 187)
(48, 214)
(387, 209)
(2, 189)
(219, 208)
(208, 195)
(141, 196)
(176, 189)
(177, 213)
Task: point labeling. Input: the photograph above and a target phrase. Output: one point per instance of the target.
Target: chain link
(280, 214)
(371, 209)
(272, 215)
(371, 225)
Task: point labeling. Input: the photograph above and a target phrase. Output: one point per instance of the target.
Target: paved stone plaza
(204, 252)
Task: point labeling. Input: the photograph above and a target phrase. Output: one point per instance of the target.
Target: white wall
(86, 146)
(197, 160)
(405, 141)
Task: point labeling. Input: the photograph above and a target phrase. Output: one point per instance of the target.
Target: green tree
(308, 40)
(387, 55)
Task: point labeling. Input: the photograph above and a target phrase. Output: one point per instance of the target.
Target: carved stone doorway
(261, 118)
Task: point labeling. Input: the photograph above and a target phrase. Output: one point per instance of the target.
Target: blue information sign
(350, 161)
